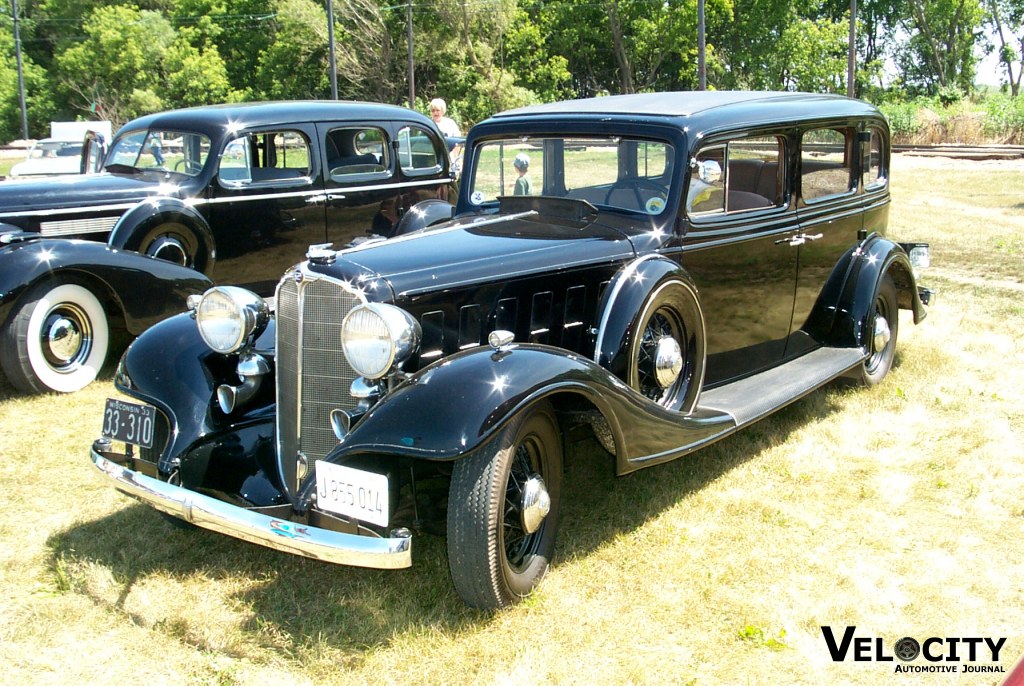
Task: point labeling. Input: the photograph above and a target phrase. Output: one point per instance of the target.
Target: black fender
(136, 288)
(853, 286)
(423, 214)
(171, 367)
(622, 305)
(457, 404)
(137, 226)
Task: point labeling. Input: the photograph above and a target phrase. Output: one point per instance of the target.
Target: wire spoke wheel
(503, 509)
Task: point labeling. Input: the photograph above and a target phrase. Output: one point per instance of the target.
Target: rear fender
(139, 288)
(867, 265)
(136, 224)
(455, 405)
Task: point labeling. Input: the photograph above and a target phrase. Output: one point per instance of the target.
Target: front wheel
(503, 510)
(57, 339)
(883, 325)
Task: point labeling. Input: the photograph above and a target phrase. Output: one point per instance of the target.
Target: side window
(266, 157)
(353, 152)
(738, 176)
(825, 169)
(875, 175)
(417, 153)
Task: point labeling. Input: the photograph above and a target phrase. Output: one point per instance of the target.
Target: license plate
(129, 422)
(352, 492)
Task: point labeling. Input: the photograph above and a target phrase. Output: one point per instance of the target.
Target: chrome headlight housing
(230, 317)
(378, 337)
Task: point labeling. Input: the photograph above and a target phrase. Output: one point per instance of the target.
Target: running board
(750, 399)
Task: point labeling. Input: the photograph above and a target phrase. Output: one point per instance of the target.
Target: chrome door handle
(792, 241)
(316, 199)
(807, 237)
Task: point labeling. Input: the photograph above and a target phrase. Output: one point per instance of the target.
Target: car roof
(699, 109)
(244, 115)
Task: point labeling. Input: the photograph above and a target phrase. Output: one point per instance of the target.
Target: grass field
(898, 510)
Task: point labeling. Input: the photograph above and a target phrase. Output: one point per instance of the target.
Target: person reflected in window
(523, 184)
(156, 149)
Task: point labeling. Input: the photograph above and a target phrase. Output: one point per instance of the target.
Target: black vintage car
(234, 192)
(683, 265)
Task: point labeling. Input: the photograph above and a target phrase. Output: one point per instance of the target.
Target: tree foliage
(117, 59)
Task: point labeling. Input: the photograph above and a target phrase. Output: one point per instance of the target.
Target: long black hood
(82, 190)
(480, 250)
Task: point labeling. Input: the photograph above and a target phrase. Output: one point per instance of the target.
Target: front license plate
(352, 492)
(129, 422)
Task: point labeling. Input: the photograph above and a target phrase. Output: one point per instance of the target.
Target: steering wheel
(636, 184)
(190, 166)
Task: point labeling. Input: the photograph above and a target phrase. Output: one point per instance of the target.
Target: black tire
(495, 559)
(173, 242)
(57, 339)
(884, 317)
(664, 316)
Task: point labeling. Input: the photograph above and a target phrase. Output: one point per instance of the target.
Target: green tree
(1005, 18)
(940, 51)
(295, 63)
(116, 71)
(38, 97)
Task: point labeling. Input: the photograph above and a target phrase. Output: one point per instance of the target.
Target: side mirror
(94, 150)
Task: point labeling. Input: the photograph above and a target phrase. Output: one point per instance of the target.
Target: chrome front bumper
(255, 527)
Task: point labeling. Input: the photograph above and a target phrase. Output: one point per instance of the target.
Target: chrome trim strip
(318, 191)
(254, 527)
(73, 210)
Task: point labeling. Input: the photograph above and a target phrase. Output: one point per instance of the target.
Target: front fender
(133, 226)
(454, 406)
(172, 368)
(141, 288)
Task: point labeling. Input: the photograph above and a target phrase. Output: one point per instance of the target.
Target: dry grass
(897, 509)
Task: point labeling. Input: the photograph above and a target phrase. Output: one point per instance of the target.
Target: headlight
(378, 337)
(228, 316)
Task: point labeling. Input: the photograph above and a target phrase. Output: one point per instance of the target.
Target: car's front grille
(313, 376)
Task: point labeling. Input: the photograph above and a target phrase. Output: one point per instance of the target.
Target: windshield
(613, 173)
(175, 151)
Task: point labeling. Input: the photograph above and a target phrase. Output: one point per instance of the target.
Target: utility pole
(851, 60)
(702, 67)
(21, 77)
(330, 39)
(408, 34)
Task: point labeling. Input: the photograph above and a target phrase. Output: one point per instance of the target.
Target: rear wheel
(884, 325)
(57, 340)
(503, 509)
(173, 242)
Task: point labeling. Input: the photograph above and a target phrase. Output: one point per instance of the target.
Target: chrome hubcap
(536, 503)
(169, 249)
(882, 333)
(65, 338)
(668, 361)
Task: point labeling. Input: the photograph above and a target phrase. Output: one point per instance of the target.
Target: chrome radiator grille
(313, 376)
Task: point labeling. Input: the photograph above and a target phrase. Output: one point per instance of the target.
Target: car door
(739, 220)
(831, 212)
(267, 204)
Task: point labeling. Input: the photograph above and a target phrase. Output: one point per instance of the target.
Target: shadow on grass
(355, 610)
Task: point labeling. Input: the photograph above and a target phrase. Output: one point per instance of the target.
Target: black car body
(235, 192)
(688, 263)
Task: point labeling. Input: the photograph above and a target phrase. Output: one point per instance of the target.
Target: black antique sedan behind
(232, 192)
(663, 269)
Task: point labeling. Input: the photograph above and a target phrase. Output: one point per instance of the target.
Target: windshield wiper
(118, 168)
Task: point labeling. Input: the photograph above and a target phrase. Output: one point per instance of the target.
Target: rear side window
(825, 169)
(875, 174)
(737, 176)
(265, 157)
(353, 152)
(417, 153)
